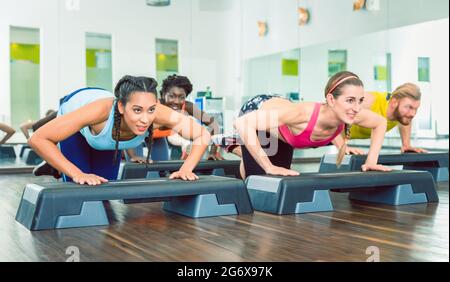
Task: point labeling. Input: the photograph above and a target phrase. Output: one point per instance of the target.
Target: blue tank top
(102, 141)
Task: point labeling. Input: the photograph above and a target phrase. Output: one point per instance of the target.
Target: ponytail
(149, 143)
(116, 130)
(343, 148)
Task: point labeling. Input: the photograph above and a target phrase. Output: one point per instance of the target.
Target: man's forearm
(405, 135)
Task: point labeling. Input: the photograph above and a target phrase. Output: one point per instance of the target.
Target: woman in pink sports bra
(271, 127)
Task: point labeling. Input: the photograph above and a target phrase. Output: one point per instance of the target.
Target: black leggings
(282, 156)
(280, 153)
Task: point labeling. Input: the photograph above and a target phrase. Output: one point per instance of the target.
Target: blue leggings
(160, 149)
(77, 150)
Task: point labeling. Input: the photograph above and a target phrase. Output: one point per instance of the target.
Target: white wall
(406, 44)
(361, 52)
(431, 40)
(214, 40)
(281, 17)
(264, 75)
(334, 25)
(203, 36)
(34, 14)
(331, 20)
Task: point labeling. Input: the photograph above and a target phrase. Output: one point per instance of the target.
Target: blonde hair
(334, 87)
(409, 90)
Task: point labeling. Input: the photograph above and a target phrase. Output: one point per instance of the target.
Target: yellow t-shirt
(379, 106)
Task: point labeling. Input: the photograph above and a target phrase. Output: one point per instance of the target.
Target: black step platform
(309, 192)
(22, 149)
(435, 163)
(65, 205)
(7, 152)
(31, 157)
(162, 169)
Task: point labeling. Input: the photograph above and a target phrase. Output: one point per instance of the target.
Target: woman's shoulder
(104, 103)
(307, 104)
(304, 110)
(277, 102)
(100, 109)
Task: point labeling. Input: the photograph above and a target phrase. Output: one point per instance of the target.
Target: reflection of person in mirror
(34, 125)
(9, 132)
(176, 140)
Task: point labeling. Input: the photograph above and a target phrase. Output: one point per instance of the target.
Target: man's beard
(402, 120)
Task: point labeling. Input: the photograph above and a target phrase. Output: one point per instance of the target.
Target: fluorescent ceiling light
(158, 3)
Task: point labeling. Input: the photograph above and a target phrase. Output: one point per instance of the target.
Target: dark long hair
(123, 90)
(334, 87)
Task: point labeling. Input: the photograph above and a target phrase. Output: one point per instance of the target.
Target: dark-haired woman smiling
(174, 92)
(93, 125)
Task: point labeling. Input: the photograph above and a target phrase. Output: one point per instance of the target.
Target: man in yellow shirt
(399, 108)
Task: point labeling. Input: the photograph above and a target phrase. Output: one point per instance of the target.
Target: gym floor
(144, 232)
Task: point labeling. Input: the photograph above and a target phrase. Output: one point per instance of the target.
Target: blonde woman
(288, 126)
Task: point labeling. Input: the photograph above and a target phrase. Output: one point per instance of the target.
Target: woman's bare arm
(9, 132)
(276, 112)
(378, 124)
(189, 129)
(45, 139)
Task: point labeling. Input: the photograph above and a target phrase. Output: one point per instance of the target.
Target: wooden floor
(144, 232)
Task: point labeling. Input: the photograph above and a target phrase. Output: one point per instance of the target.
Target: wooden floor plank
(144, 232)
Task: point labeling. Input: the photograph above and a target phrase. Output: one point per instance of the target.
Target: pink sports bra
(303, 140)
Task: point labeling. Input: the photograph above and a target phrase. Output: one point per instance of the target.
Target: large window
(166, 59)
(424, 69)
(337, 61)
(24, 70)
(382, 73)
(98, 61)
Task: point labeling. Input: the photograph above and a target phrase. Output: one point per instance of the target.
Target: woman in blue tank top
(93, 126)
